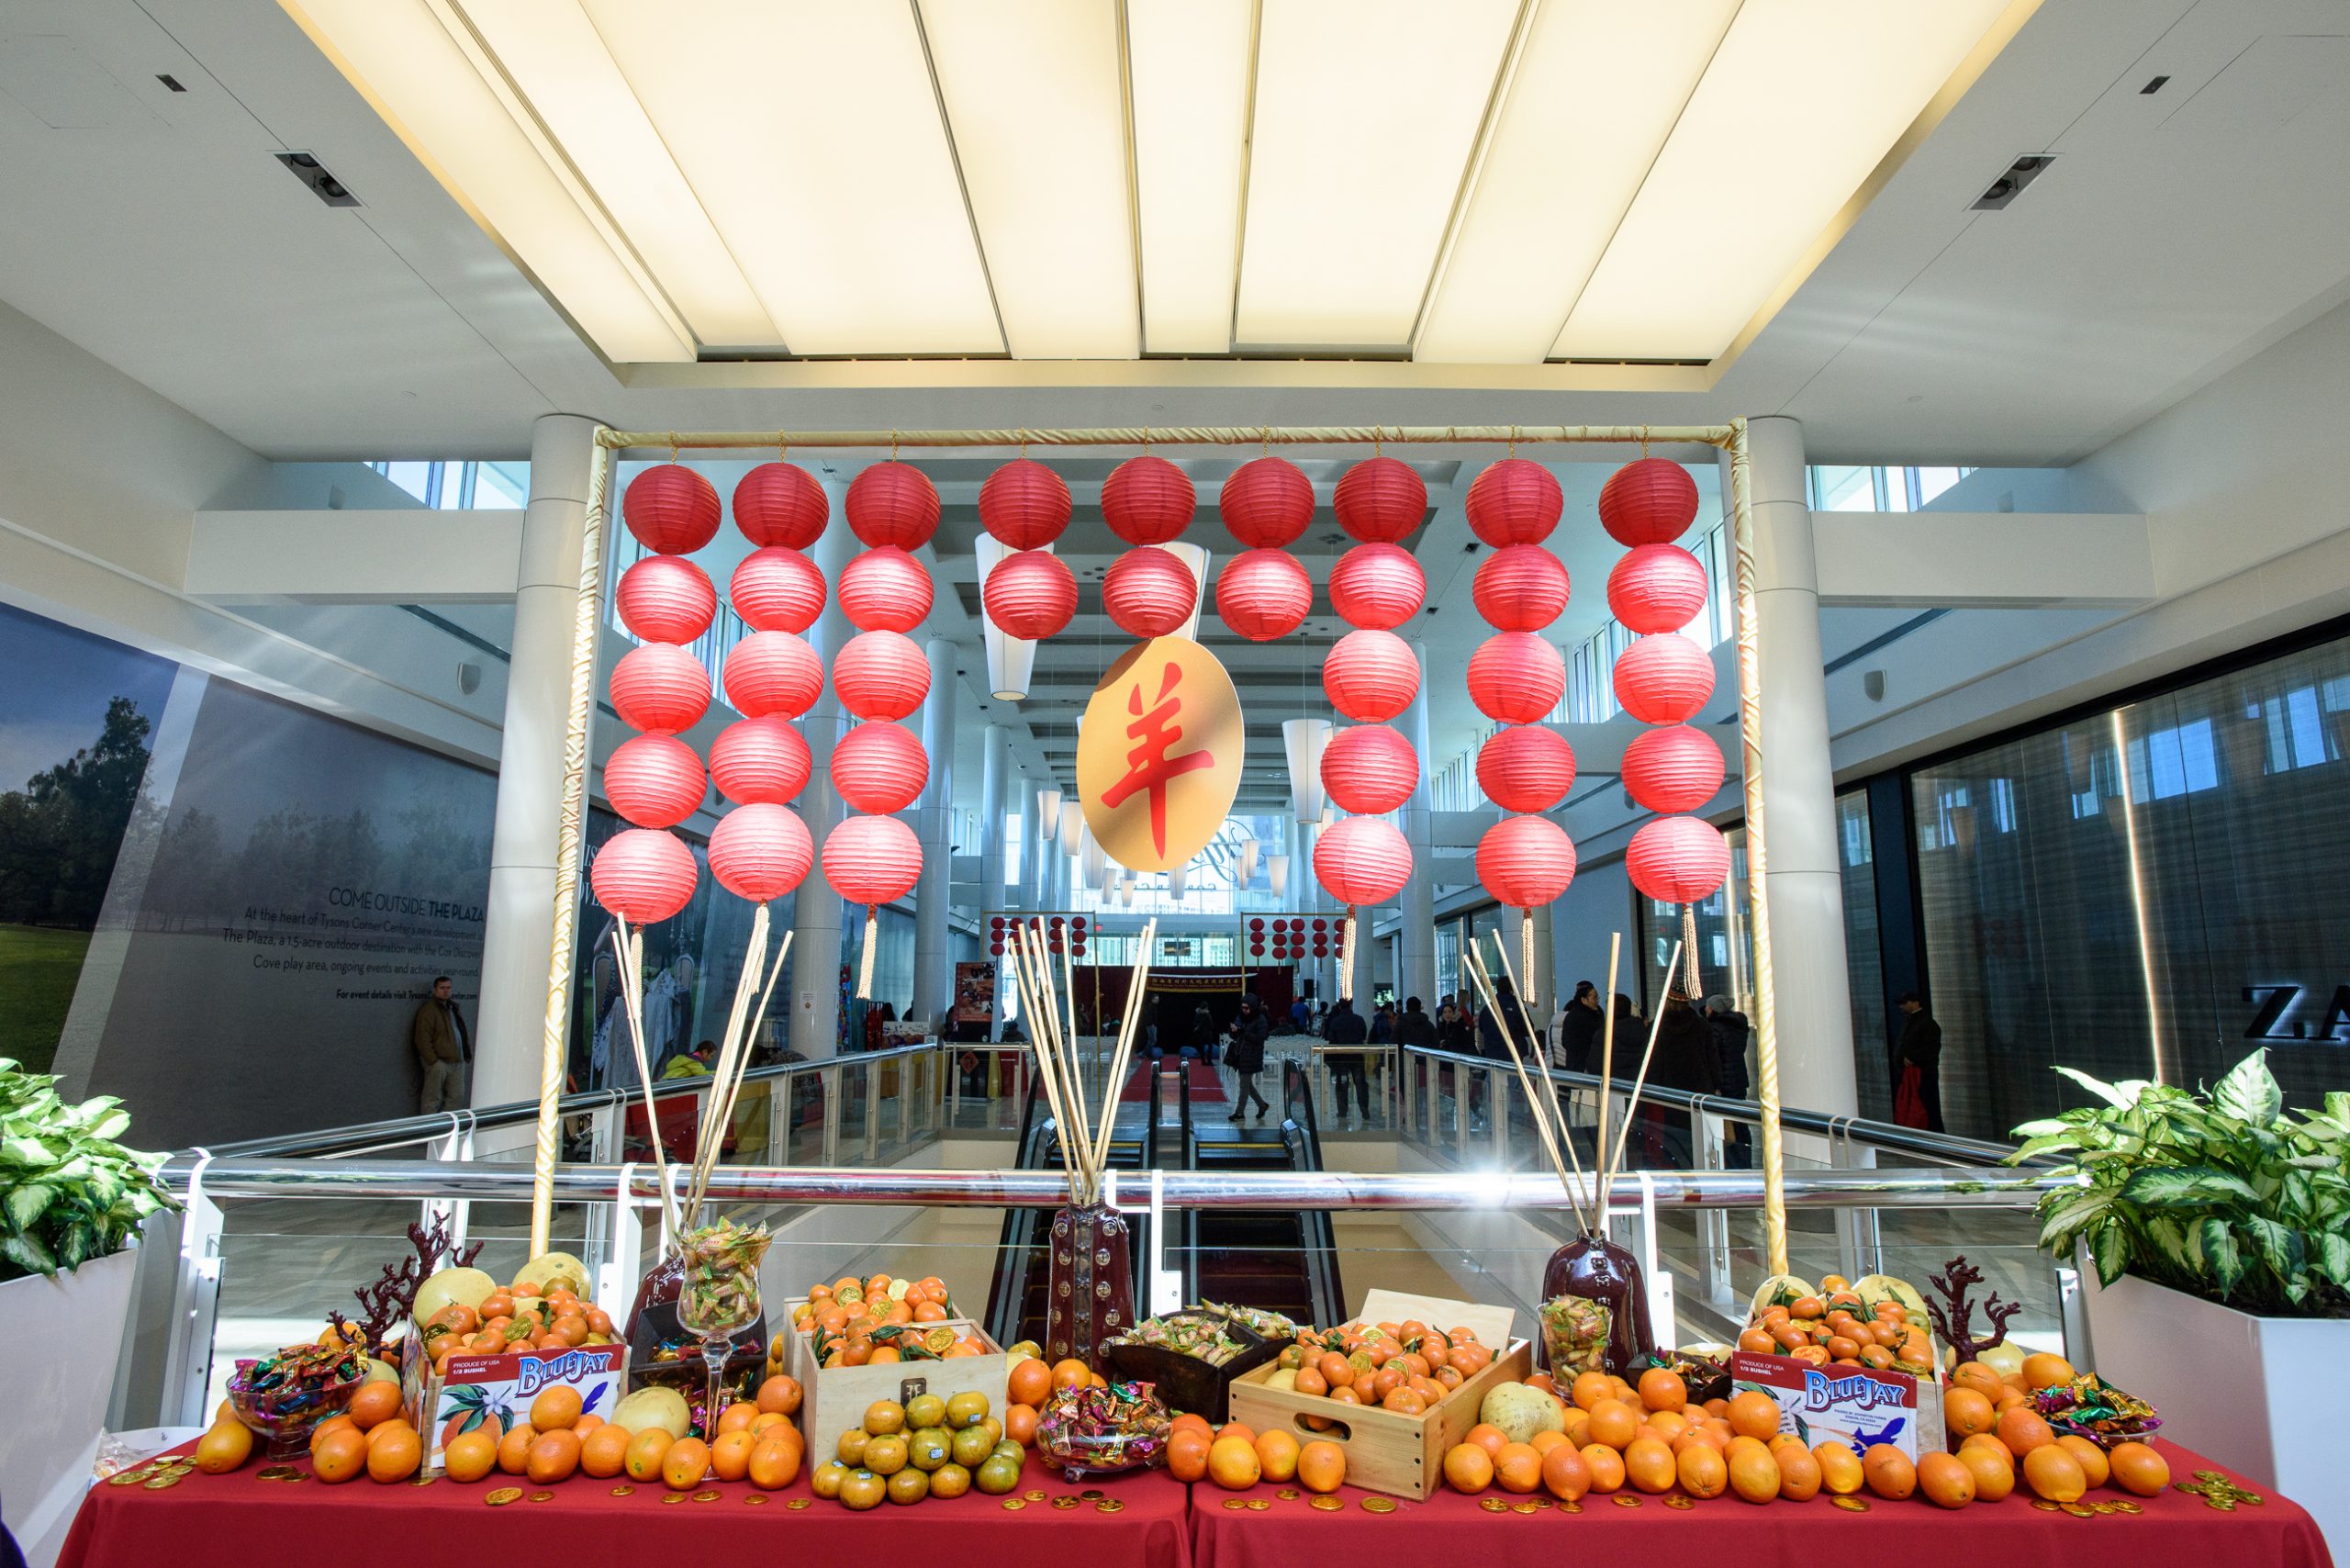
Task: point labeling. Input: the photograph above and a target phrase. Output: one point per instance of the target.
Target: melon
(469, 1287)
(1875, 1288)
(1285, 1377)
(1520, 1411)
(380, 1371)
(1779, 1290)
(651, 1408)
(547, 1270)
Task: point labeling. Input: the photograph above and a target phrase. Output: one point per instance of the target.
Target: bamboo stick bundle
(1028, 963)
(1129, 1021)
(1539, 1106)
(1656, 1027)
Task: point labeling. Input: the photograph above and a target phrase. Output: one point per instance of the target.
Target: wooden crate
(836, 1400)
(1387, 1451)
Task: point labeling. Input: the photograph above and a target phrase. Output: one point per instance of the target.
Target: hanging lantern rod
(1145, 436)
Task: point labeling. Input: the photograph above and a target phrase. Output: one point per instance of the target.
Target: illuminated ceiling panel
(1802, 102)
(1188, 80)
(1367, 114)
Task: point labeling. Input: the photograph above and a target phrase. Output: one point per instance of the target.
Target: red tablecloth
(1452, 1529)
(234, 1520)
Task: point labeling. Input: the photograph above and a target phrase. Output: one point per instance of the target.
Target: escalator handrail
(1007, 1292)
(1318, 1231)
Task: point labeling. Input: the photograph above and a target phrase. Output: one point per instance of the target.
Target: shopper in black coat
(1578, 1038)
(1246, 1056)
(1730, 1030)
(1413, 1028)
(1922, 1047)
(1345, 1027)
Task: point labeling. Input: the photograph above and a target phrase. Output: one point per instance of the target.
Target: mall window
(1015, 858)
(459, 486)
(1878, 490)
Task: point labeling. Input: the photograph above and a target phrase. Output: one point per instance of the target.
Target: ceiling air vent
(313, 174)
(2009, 186)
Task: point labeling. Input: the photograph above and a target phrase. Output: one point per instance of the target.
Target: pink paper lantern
(1263, 594)
(1520, 588)
(893, 503)
(1266, 503)
(778, 589)
(1650, 500)
(781, 503)
(1656, 587)
(671, 509)
(1526, 861)
(1147, 500)
(1380, 500)
(880, 767)
(1514, 501)
(760, 761)
(1674, 768)
(1370, 769)
(1024, 505)
(1516, 678)
(885, 589)
(666, 598)
(1377, 585)
(659, 687)
(645, 875)
(1677, 859)
(1362, 860)
(881, 674)
(870, 860)
(1371, 676)
(1526, 767)
(653, 780)
(1030, 595)
(760, 852)
(772, 673)
(1663, 680)
(1148, 592)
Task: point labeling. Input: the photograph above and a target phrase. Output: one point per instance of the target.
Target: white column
(817, 947)
(1415, 972)
(1804, 882)
(934, 968)
(518, 936)
(995, 763)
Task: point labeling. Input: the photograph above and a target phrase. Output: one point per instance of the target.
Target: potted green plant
(72, 1202)
(2212, 1231)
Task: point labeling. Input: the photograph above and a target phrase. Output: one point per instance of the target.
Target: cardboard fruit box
(835, 1399)
(477, 1390)
(1859, 1407)
(1386, 1451)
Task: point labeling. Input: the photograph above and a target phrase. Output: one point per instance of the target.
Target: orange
(344, 1424)
(2055, 1474)
(470, 1456)
(685, 1465)
(1518, 1468)
(1798, 1472)
(376, 1402)
(340, 1454)
(1975, 1375)
(383, 1430)
(1019, 1424)
(1488, 1436)
(555, 1407)
(552, 1456)
(645, 1452)
(514, 1449)
(1701, 1471)
(1545, 1442)
(1195, 1421)
(1468, 1468)
(1607, 1468)
(1277, 1456)
(1840, 1470)
(1237, 1429)
(1187, 1454)
(2046, 1370)
(1662, 1389)
(1578, 1426)
(396, 1455)
(228, 1445)
(1890, 1473)
(1591, 1388)
(1753, 1415)
(1753, 1471)
(2096, 1469)
(1947, 1481)
(730, 1456)
(1233, 1464)
(1994, 1473)
(736, 1417)
(2138, 1467)
(603, 1452)
(1071, 1374)
(1321, 1467)
(1564, 1474)
(1967, 1411)
(1030, 1382)
(1615, 1423)
(2022, 1430)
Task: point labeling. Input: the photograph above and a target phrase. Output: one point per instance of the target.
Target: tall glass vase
(1595, 1313)
(1090, 1288)
(719, 1297)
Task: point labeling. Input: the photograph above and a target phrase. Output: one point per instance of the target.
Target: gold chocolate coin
(1325, 1503)
(422, 1480)
(755, 1498)
(1093, 1494)
(542, 1497)
(796, 1503)
(1034, 1496)
(1257, 1504)
(1525, 1507)
(1851, 1505)
(2080, 1510)
(707, 1495)
(2128, 1508)
(2045, 1507)
(271, 1471)
(1678, 1501)
(1493, 1505)
(1064, 1504)
(1234, 1504)
(1624, 1500)
(1109, 1505)
(503, 1495)
(1287, 1494)
(160, 1483)
(1571, 1507)
(1014, 1503)
(674, 1497)
(132, 1478)
(623, 1491)
(1379, 1505)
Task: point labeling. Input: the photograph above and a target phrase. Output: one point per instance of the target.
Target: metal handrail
(1877, 1135)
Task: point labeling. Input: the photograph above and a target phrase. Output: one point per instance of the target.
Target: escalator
(1283, 1261)
(1016, 1293)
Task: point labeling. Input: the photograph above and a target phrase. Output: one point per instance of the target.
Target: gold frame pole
(1178, 435)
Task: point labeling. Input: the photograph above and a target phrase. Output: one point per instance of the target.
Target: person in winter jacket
(1246, 1056)
(1345, 1027)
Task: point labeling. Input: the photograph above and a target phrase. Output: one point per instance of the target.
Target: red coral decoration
(1953, 1316)
(391, 1299)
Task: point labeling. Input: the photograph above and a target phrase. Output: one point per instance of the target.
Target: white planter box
(2249, 1392)
(59, 1342)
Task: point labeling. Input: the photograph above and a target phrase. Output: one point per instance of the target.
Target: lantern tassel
(1347, 957)
(865, 964)
(1525, 959)
(1689, 947)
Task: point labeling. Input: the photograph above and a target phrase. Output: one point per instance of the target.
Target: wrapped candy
(1103, 1431)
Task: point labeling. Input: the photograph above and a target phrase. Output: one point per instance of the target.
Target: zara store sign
(2280, 1013)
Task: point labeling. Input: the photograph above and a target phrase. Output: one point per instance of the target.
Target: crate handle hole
(1336, 1432)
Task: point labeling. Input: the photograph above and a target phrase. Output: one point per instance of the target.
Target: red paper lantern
(1516, 501)
(1656, 587)
(666, 598)
(1674, 768)
(1263, 594)
(870, 860)
(760, 852)
(1526, 861)
(653, 780)
(1516, 678)
(1520, 588)
(880, 767)
(1677, 859)
(759, 761)
(781, 503)
(881, 674)
(885, 590)
(1648, 501)
(778, 589)
(893, 503)
(1378, 586)
(1371, 676)
(1362, 860)
(671, 509)
(1267, 502)
(773, 672)
(1023, 505)
(1526, 767)
(1148, 592)
(1147, 500)
(645, 875)
(1380, 500)
(659, 687)
(1663, 680)
(1030, 595)
(1370, 769)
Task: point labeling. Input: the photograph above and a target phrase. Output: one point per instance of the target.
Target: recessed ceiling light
(311, 173)
(2010, 185)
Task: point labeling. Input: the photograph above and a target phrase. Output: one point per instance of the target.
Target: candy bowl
(286, 1396)
(1103, 1431)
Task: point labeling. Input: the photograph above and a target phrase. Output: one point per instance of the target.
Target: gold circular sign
(1158, 756)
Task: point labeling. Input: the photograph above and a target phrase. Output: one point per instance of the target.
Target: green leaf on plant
(2221, 1255)
(2098, 1087)
(2184, 1186)
(2249, 1093)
